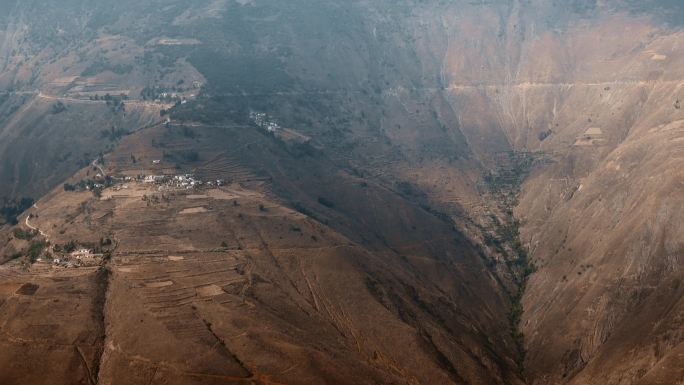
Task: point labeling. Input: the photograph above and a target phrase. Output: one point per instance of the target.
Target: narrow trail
(129, 102)
(97, 165)
(523, 85)
(35, 228)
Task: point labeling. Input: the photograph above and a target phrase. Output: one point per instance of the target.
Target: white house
(82, 253)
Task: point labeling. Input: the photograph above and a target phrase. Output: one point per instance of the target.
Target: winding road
(35, 228)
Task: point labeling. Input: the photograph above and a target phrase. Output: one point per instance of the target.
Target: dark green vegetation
(35, 250)
(11, 209)
(397, 122)
(102, 65)
(114, 133)
(23, 234)
(58, 107)
(503, 233)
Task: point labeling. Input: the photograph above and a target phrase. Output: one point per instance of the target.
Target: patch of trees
(212, 110)
(510, 175)
(410, 190)
(114, 133)
(303, 210)
(188, 132)
(67, 248)
(183, 130)
(35, 250)
(325, 202)
(58, 108)
(187, 156)
(299, 150)
(544, 134)
(23, 234)
(251, 73)
(102, 65)
(12, 209)
(116, 103)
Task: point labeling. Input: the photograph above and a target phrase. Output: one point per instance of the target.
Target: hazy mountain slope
(401, 298)
(41, 144)
(602, 223)
(434, 128)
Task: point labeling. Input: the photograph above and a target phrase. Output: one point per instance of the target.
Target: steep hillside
(601, 221)
(426, 192)
(256, 291)
(44, 140)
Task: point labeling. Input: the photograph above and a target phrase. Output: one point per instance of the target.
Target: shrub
(69, 247)
(16, 255)
(22, 234)
(325, 202)
(35, 250)
(544, 134)
(58, 108)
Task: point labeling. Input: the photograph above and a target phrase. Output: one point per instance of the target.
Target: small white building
(82, 253)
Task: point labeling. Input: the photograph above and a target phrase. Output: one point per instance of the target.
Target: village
(184, 181)
(271, 126)
(180, 181)
(261, 120)
(105, 187)
(82, 257)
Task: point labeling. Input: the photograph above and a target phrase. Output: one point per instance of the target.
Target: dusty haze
(366, 192)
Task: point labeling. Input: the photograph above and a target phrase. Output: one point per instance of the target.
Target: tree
(69, 247)
(58, 107)
(35, 250)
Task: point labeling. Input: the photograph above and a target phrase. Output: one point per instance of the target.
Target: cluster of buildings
(262, 121)
(81, 257)
(186, 181)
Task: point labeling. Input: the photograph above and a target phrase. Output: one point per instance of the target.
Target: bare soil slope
(429, 158)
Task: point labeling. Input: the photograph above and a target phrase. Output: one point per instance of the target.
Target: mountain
(404, 192)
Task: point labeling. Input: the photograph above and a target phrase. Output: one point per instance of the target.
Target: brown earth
(396, 239)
